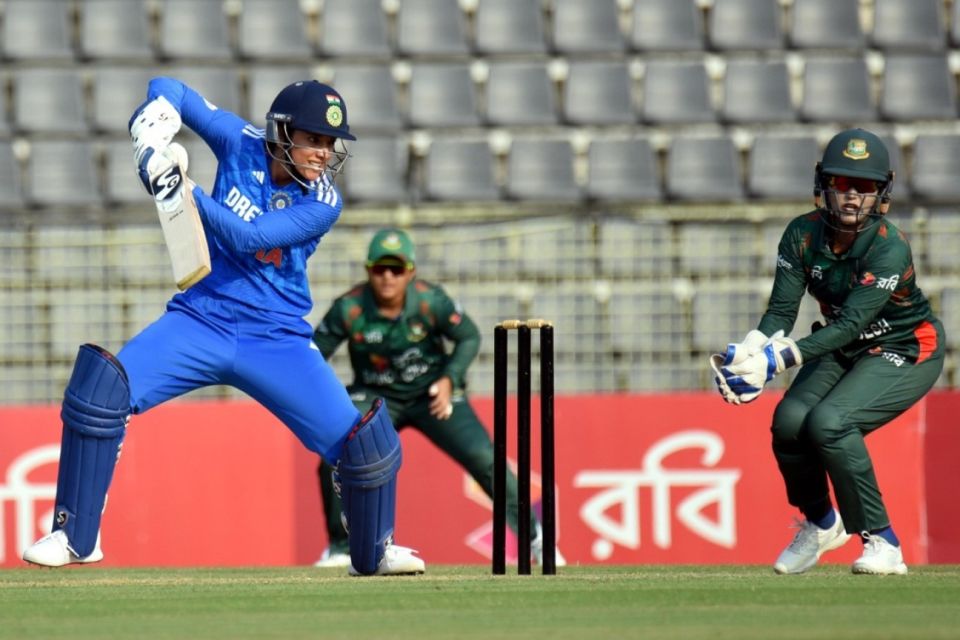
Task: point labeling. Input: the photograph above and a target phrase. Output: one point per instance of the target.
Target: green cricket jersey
(868, 296)
(400, 358)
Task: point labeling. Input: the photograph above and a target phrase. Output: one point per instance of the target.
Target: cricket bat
(181, 224)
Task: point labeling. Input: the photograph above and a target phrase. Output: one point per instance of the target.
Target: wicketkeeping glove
(736, 353)
(748, 378)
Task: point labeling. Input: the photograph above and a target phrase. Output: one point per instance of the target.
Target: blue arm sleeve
(298, 223)
(219, 129)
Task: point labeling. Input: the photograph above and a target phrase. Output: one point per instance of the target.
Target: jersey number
(274, 256)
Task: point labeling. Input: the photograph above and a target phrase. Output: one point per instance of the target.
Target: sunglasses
(395, 269)
(860, 185)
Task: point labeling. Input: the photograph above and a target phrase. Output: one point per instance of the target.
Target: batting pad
(368, 481)
(96, 405)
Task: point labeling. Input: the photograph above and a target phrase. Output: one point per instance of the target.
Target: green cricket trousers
(820, 424)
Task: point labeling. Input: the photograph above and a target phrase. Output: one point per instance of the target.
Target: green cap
(389, 243)
(857, 153)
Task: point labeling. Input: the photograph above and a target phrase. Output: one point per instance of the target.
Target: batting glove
(162, 170)
(736, 353)
(748, 378)
(154, 124)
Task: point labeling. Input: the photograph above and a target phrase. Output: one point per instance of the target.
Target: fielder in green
(879, 351)
(397, 327)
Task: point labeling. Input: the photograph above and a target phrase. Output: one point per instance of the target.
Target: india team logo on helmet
(334, 110)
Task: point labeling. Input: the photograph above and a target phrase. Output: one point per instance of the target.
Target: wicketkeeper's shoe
(397, 561)
(809, 544)
(334, 556)
(880, 558)
(53, 550)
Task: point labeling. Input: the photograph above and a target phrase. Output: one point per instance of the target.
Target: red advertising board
(678, 478)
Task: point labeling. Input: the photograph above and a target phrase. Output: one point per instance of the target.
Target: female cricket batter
(880, 351)
(242, 325)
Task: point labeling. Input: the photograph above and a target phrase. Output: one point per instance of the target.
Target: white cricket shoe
(53, 550)
(880, 558)
(333, 558)
(536, 550)
(809, 544)
(396, 561)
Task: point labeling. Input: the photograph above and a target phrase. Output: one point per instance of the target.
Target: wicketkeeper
(878, 352)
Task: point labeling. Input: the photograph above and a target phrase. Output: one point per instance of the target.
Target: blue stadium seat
(354, 28)
(918, 87)
(460, 170)
(509, 27)
(272, 30)
(837, 89)
(826, 24)
(520, 93)
(377, 170)
(781, 167)
(908, 25)
(371, 96)
(676, 92)
(757, 91)
(195, 31)
(586, 26)
(936, 165)
(117, 91)
(598, 93)
(431, 27)
(62, 173)
(542, 170)
(623, 169)
(36, 30)
(442, 95)
(48, 100)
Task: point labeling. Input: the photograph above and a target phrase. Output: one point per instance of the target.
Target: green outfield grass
(466, 602)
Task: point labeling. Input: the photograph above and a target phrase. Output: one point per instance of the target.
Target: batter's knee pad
(96, 406)
(368, 482)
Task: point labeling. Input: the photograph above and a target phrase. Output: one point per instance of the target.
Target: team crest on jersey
(416, 332)
(856, 149)
(868, 279)
(280, 200)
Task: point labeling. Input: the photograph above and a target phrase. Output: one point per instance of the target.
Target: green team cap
(391, 243)
(857, 153)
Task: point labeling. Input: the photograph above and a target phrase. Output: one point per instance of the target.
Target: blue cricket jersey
(260, 234)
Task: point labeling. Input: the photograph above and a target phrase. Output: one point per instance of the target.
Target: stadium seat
(11, 188)
(371, 97)
(703, 169)
(936, 165)
(943, 238)
(191, 30)
(377, 170)
(442, 95)
(509, 27)
(460, 170)
(908, 24)
(901, 184)
(36, 30)
(62, 173)
(826, 24)
(560, 250)
(431, 27)
(117, 92)
(918, 87)
(121, 184)
(520, 93)
(950, 314)
(4, 104)
(676, 92)
(664, 324)
(630, 250)
(837, 89)
(115, 30)
(622, 169)
(48, 101)
(264, 82)
(354, 28)
(271, 30)
(722, 316)
(745, 24)
(666, 25)
(757, 91)
(598, 93)
(782, 167)
(586, 26)
(542, 170)
(718, 249)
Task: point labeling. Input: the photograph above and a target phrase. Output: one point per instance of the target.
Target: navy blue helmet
(308, 105)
